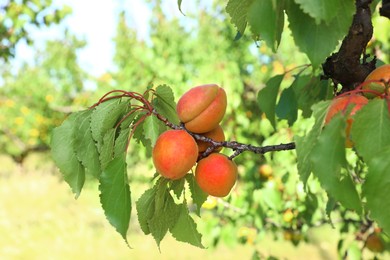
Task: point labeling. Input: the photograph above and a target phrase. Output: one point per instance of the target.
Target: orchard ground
(40, 219)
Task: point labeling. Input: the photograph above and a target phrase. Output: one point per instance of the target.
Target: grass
(40, 219)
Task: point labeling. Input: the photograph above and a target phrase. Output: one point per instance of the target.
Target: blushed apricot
(340, 105)
(381, 73)
(174, 154)
(216, 134)
(216, 174)
(202, 108)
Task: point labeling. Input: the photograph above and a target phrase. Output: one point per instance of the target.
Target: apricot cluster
(376, 85)
(201, 109)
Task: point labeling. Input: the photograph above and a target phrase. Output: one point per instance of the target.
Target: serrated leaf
(238, 10)
(185, 229)
(320, 10)
(164, 103)
(266, 98)
(145, 209)
(84, 144)
(166, 213)
(64, 155)
(152, 129)
(310, 90)
(370, 130)
(287, 107)
(305, 144)
(376, 189)
(115, 195)
(121, 142)
(197, 194)
(266, 19)
(328, 158)
(318, 41)
(107, 151)
(177, 186)
(104, 117)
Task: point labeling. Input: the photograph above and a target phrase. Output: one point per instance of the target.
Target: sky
(96, 21)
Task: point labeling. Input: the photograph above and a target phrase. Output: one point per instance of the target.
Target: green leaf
(320, 10)
(179, 5)
(305, 144)
(238, 10)
(266, 98)
(287, 107)
(197, 194)
(318, 41)
(121, 142)
(115, 195)
(266, 18)
(145, 209)
(370, 130)
(309, 90)
(152, 129)
(64, 155)
(165, 215)
(84, 144)
(185, 229)
(328, 158)
(107, 151)
(376, 189)
(164, 103)
(104, 117)
(177, 186)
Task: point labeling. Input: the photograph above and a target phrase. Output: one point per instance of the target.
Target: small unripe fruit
(216, 174)
(202, 108)
(216, 134)
(340, 105)
(174, 154)
(265, 170)
(288, 216)
(381, 73)
(374, 243)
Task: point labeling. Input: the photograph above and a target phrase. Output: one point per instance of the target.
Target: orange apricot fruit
(202, 108)
(216, 134)
(340, 105)
(382, 74)
(174, 154)
(216, 174)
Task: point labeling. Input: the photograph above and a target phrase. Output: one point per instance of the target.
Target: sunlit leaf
(185, 228)
(115, 195)
(64, 154)
(370, 130)
(328, 159)
(266, 98)
(376, 189)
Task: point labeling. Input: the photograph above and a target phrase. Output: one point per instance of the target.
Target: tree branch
(237, 147)
(344, 67)
(385, 9)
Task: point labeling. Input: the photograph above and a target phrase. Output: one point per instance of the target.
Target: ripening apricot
(174, 154)
(216, 134)
(216, 174)
(374, 243)
(340, 105)
(202, 108)
(381, 73)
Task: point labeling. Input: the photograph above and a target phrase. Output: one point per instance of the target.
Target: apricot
(374, 243)
(265, 171)
(381, 73)
(340, 105)
(202, 108)
(216, 134)
(174, 154)
(216, 174)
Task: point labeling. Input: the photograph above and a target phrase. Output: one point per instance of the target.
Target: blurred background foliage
(267, 210)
